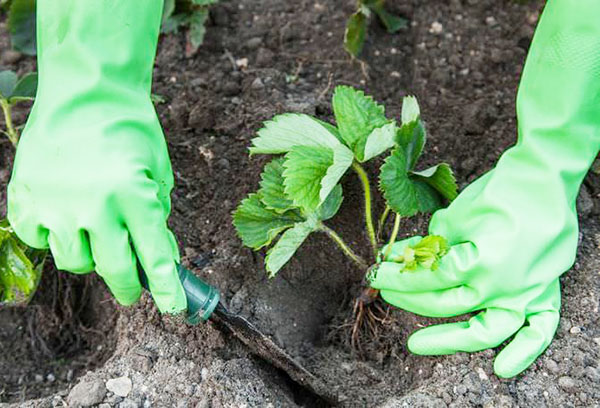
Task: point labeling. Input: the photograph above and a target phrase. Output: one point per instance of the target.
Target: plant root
(368, 315)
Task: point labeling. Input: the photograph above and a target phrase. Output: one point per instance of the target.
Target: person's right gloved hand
(92, 176)
(514, 231)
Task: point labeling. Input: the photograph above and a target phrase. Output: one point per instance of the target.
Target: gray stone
(120, 386)
(567, 383)
(86, 393)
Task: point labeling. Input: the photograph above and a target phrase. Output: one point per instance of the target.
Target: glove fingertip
(171, 298)
(504, 368)
(425, 342)
(127, 298)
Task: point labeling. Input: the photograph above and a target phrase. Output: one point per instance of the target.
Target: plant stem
(382, 220)
(11, 132)
(362, 175)
(357, 259)
(393, 236)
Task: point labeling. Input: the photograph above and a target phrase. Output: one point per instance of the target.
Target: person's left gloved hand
(514, 231)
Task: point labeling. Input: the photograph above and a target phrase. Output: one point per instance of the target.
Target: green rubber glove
(514, 231)
(92, 176)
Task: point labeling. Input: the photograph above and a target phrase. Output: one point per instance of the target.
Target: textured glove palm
(514, 231)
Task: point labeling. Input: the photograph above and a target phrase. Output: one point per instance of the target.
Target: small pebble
(120, 386)
(436, 28)
(567, 383)
(257, 84)
(50, 378)
(482, 375)
(491, 21)
(242, 63)
(39, 378)
(575, 330)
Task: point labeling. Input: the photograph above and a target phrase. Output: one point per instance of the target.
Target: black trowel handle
(202, 298)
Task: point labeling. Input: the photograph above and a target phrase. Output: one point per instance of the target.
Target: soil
(465, 76)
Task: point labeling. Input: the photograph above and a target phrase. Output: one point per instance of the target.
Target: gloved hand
(92, 176)
(514, 231)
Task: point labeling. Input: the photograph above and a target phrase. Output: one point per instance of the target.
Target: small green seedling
(300, 188)
(356, 26)
(20, 268)
(191, 14)
(12, 91)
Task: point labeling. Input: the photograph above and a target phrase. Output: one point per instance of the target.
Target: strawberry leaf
(197, 28)
(286, 131)
(441, 179)
(411, 136)
(342, 160)
(272, 189)
(25, 88)
(404, 192)
(427, 253)
(304, 168)
(380, 140)
(20, 268)
(8, 81)
(332, 204)
(287, 245)
(257, 225)
(356, 33)
(21, 25)
(357, 115)
(391, 22)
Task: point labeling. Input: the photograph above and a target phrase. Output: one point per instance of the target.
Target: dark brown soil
(66, 330)
(465, 78)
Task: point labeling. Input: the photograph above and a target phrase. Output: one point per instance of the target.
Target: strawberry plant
(12, 91)
(20, 268)
(300, 188)
(191, 14)
(356, 26)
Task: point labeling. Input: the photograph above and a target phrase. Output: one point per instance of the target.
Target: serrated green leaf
(428, 200)
(342, 160)
(197, 28)
(287, 245)
(272, 190)
(25, 88)
(412, 138)
(406, 194)
(168, 9)
(257, 226)
(356, 115)
(441, 178)
(356, 33)
(391, 22)
(304, 169)
(331, 205)
(286, 131)
(311, 173)
(168, 25)
(410, 109)
(8, 81)
(20, 268)
(397, 188)
(332, 129)
(380, 140)
(21, 25)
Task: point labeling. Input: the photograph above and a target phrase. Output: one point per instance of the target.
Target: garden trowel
(204, 303)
